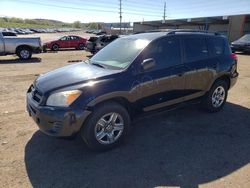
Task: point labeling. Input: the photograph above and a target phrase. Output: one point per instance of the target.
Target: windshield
(245, 38)
(120, 53)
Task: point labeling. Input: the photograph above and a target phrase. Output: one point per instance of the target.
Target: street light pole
(120, 12)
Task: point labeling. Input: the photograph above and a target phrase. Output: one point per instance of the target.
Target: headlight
(63, 99)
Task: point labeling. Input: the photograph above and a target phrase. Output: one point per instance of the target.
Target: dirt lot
(183, 148)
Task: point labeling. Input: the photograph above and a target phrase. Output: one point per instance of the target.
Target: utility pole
(164, 13)
(120, 12)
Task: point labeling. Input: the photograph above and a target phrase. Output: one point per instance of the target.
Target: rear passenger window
(166, 53)
(195, 49)
(217, 45)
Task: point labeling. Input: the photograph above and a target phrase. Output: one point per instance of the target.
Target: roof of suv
(154, 34)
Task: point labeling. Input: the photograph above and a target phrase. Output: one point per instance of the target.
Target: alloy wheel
(218, 97)
(109, 128)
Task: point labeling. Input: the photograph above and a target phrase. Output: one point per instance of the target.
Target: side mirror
(148, 64)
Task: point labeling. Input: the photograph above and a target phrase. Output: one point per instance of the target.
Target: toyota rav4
(138, 73)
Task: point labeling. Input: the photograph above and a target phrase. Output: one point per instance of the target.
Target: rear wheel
(216, 98)
(24, 53)
(106, 127)
(55, 47)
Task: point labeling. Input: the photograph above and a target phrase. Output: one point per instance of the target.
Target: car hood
(238, 42)
(70, 75)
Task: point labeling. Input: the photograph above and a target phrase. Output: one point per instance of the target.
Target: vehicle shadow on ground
(18, 61)
(63, 50)
(185, 148)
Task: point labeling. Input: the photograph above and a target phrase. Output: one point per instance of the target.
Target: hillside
(36, 23)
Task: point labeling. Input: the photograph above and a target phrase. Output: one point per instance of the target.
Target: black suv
(136, 73)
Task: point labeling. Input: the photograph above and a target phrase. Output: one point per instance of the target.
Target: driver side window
(166, 52)
(65, 38)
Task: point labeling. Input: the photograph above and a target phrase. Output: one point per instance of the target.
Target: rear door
(164, 84)
(201, 67)
(74, 42)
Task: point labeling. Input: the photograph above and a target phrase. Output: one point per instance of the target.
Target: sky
(132, 10)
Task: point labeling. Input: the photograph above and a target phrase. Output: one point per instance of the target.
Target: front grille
(36, 95)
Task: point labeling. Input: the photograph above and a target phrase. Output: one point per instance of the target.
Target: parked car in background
(21, 46)
(70, 41)
(242, 44)
(138, 73)
(90, 44)
(89, 31)
(100, 32)
(94, 44)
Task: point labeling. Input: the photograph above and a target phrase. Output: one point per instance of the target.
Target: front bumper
(45, 47)
(233, 79)
(56, 121)
(37, 50)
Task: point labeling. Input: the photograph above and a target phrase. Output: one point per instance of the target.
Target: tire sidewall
(88, 129)
(20, 50)
(208, 99)
(55, 47)
(81, 46)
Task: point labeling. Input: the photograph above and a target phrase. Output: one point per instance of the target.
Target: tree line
(43, 23)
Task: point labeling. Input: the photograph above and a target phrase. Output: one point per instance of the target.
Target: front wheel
(106, 127)
(216, 98)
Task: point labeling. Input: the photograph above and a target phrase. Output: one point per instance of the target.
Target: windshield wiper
(98, 65)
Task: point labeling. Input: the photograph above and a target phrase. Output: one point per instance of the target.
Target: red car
(66, 42)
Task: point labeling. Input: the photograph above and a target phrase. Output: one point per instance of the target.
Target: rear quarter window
(8, 34)
(217, 46)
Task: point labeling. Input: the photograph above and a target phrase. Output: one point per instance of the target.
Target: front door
(2, 46)
(164, 84)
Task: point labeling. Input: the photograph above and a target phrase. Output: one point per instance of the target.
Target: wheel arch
(225, 78)
(23, 46)
(53, 44)
(118, 99)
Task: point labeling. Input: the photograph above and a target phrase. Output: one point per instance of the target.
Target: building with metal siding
(232, 26)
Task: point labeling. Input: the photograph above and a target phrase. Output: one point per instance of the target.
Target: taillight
(234, 67)
(234, 56)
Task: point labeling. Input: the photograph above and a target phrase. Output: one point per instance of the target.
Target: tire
(100, 123)
(216, 98)
(81, 46)
(24, 53)
(55, 47)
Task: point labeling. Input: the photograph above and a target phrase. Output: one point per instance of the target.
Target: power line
(85, 9)
(158, 4)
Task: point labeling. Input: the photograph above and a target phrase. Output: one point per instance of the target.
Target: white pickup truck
(23, 47)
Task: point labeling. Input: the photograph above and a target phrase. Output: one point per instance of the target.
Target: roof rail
(191, 31)
(152, 31)
(174, 31)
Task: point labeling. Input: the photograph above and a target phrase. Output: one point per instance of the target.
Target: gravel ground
(185, 148)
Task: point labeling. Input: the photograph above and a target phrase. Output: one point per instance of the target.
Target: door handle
(215, 66)
(180, 74)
